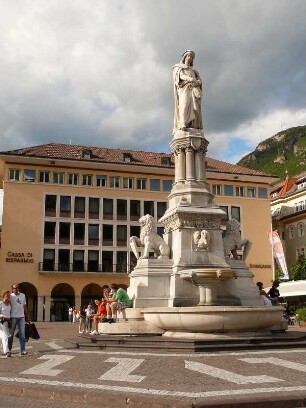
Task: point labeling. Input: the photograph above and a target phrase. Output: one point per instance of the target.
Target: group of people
(104, 310)
(272, 297)
(13, 313)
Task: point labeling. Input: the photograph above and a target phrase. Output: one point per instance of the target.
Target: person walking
(5, 320)
(19, 313)
(70, 317)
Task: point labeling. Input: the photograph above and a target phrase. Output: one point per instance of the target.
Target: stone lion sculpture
(202, 240)
(149, 240)
(232, 240)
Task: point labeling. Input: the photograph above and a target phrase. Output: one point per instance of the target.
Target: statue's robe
(187, 98)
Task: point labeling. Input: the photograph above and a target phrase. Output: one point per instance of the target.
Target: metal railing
(84, 267)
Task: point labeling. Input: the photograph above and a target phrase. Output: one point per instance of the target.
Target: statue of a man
(187, 94)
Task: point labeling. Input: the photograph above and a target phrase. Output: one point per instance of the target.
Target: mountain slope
(285, 150)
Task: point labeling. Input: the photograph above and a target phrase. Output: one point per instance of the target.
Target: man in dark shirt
(274, 293)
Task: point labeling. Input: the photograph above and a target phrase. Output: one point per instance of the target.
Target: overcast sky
(99, 72)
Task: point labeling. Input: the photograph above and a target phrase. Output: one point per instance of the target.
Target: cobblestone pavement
(55, 372)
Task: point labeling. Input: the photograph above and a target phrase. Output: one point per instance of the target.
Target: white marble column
(199, 166)
(190, 164)
(181, 164)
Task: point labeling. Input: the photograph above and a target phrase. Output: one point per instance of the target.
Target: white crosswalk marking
(122, 370)
(275, 361)
(46, 368)
(229, 375)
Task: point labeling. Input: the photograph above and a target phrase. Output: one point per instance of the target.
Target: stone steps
(159, 343)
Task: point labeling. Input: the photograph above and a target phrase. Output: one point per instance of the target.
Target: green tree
(298, 270)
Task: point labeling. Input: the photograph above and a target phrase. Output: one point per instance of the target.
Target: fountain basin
(207, 280)
(213, 319)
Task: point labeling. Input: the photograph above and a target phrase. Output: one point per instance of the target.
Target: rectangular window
(155, 185)
(228, 190)
(49, 232)
(121, 209)
(87, 180)
(48, 260)
(79, 207)
(167, 185)
(14, 174)
(93, 234)
(225, 217)
(73, 179)
(262, 192)
(141, 184)
(121, 235)
(149, 208)
(63, 259)
(107, 235)
(29, 175)
(79, 233)
(78, 261)
(64, 233)
(135, 231)
(93, 261)
(161, 208)
(239, 191)
(251, 192)
(160, 231)
(107, 261)
(114, 182)
(50, 205)
(108, 208)
(235, 213)
(128, 182)
(58, 177)
(44, 176)
(134, 210)
(94, 204)
(101, 181)
(65, 206)
(121, 261)
(217, 189)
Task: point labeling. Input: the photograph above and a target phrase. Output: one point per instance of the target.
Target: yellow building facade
(69, 211)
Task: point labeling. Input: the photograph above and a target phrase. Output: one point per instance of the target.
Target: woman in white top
(5, 315)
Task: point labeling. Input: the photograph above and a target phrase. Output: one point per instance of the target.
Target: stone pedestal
(150, 283)
(192, 221)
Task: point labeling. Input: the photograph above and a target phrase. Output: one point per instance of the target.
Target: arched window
(301, 229)
(291, 232)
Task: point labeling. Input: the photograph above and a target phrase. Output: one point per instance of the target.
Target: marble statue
(201, 240)
(187, 94)
(149, 240)
(232, 240)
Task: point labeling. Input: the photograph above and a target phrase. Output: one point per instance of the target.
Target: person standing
(70, 317)
(19, 314)
(5, 319)
(89, 316)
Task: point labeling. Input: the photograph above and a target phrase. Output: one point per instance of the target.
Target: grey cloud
(100, 72)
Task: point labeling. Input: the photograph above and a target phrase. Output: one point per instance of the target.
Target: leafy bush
(301, 314)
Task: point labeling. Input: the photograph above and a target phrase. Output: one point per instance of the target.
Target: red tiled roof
(108, 155)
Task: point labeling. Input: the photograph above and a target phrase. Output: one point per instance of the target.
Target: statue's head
(190, 55)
